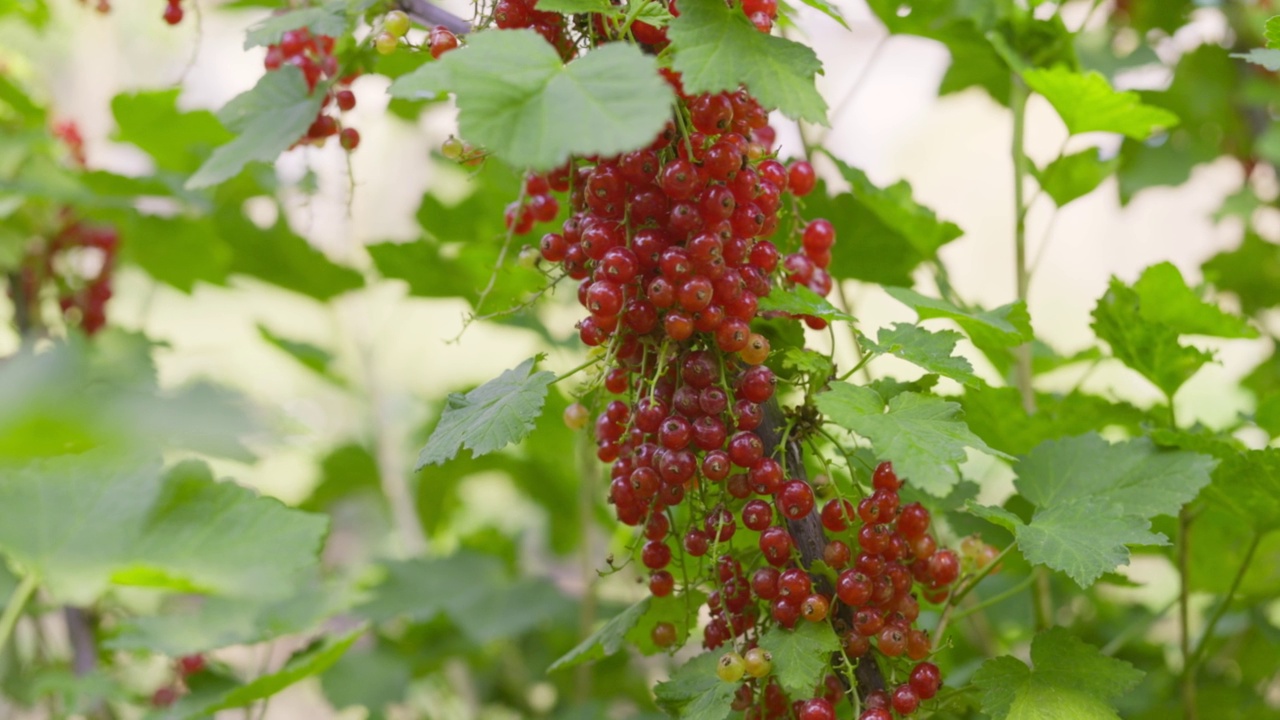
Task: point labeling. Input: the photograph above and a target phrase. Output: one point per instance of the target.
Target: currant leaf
(717, 48)
(269, 119)
(801, 657)
(1087, 103)
(489, 418)
(1068, 680)
(519, 101)
(923, 436)
(927, 349)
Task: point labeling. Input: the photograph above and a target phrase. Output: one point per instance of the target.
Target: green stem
(961, 592)
(1188, 684)
(995, 599)
(13, 610)
(1198, 655)
(1135, 630)
(1018, 103)
(570, 373)
(861, 363)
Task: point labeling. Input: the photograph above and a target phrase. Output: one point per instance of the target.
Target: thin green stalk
(1198, 655)
(570, 373)
(995, 599)
(961, 592)
(13, 610)
(1021, 168)
(1135, 630)
(1188, 684)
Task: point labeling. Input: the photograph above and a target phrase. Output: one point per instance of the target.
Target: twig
(13, 610)
(1198, 656)
(1188, 680)
(431, 15)
(811, 540)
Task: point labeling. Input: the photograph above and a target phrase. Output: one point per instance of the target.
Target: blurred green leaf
(801, 657)
(1070, 177)
(695, 692)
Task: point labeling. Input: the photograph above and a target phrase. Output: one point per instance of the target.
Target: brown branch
(425, 13)
(811, 540)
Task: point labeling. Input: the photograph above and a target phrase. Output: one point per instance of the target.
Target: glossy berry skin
(876, 714)
(664, 634)
(904, 700)
(925, 680)
(816, 709)
(795, 501)
(801, 178)
(349, 138)
(731, 667)
(759, 662)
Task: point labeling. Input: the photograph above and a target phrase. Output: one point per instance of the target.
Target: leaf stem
(960, 593)
(570, 373)
(996, 599)
(13, 609)
(1198, 655)
(866, 358)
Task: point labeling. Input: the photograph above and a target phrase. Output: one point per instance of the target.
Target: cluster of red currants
(184, 667)
(517, 14)
(313, 55)
(173, 12)
(82, 294)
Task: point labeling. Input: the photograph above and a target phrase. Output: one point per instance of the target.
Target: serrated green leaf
(1268, 58)
(1251, 272)
(922, 435)
(1083, 539)
(896, 207)
(996, 415)
(518, 100)
(800, 300)
(1248, 484)
(1133, 476)
(492, 416)
(801, 657)
(262, 543)
(809, 362)
(1069, 680)
(717, 48)
(1093, 498)
(606, 640)
(1165, 298)
(695, 692)
(80, 522)
(269, 119)
(327, 19)
(1087, 103)
(929, 350)
(1149, 347)
(1005, 326)
(1073, 176)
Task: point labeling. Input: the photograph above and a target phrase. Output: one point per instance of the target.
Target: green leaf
(347, 470)
(717, 48)
(423, 588)
(1005, 326)
(800, 300)
(1251, 272)
(517, 99)
(1087, 103)
(1070, 177)
(929, 350)
(312, 357)
(1069, 680)
(829, 10)
(1165, 298)
(492, 416)
(875, 252)
(1268, 58)
(1271, 31)
(1145, 345)
(311, 661)
(897, 209)
(178, 251)
(188, 136)
(269, 119)
(695, 692)
(327, 19)
(82, 521)
(801, 657)
(1247, 484)
(371, 678)
(606, 640)
(996, 415)
(922, 435)
(1094, 498)
(674, 609)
